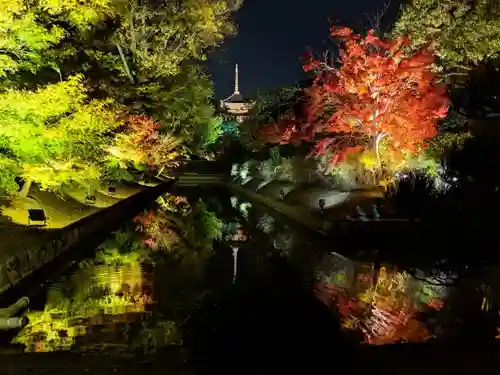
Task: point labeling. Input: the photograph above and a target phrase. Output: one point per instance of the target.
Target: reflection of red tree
(144, 218)
(405, 329)
(160, 228)
(326, 293)
(333, 296)
(389, 318)
(387, 324)
(435, 303)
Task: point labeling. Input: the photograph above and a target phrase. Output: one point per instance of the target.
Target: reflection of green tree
(106, 296)
(109, 294)
(206, 225)
(175, 226)
(123, 247)
(172, 226)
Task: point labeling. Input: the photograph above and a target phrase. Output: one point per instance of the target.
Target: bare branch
(377, 20)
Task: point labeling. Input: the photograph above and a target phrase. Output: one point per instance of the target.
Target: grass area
(59, 212)
(15, 237)
(17, 209)
(79, 195)
(62, 210)
(15, 234)
(122, 191)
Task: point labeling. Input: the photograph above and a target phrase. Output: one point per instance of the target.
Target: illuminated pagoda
(236, 104)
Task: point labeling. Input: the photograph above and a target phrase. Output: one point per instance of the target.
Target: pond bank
(28, 259)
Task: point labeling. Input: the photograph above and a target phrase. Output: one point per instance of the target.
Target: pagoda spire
(236, 80)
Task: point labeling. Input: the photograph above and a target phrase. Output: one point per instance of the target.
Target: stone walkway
(299, 214)
(357, 205)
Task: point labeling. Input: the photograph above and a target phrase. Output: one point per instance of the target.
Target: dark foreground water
(269, 297)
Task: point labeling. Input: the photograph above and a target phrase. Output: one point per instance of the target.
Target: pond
(264, 279)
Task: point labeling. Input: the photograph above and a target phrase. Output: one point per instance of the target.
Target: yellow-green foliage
(40, 106)
(186, 29)
(25, 38)
(54, 135)
(160, 38)
(462, 31)
(97, 298)
(363, 168)
(369, 159)
(445, 142)
(79, 13)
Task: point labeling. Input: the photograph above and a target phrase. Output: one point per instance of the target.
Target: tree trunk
(125, 65)
(376, 146)
(23, 193)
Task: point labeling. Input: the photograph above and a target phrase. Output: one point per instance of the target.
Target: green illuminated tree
(53, 136)
(463, 32)
(142, 54)
(180, 104)
(30, 31)
(157, 37)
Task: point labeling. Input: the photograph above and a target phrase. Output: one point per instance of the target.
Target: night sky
(273, 34)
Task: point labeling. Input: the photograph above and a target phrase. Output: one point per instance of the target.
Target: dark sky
(273, 34)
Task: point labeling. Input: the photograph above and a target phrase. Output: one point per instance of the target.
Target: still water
(138, 305)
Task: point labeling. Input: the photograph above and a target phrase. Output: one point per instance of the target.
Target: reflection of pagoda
(236, 104)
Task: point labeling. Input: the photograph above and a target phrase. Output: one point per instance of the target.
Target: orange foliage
(385, 312)
(142, 143)
(142, 130)
(379, 91)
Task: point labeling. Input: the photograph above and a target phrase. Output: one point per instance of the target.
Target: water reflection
(375, 306)
(142, 283)
(266, 223)
(382, 306)
(150, 278)
(96, 307)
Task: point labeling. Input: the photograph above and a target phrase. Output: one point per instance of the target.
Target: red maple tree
(142, 129)
(142, 142)
(380, 92)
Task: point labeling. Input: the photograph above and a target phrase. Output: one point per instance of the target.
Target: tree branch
(124, 62)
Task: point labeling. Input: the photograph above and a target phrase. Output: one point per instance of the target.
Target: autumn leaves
(378, 98)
